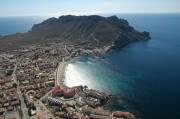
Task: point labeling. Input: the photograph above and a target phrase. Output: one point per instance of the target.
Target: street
(23, 105)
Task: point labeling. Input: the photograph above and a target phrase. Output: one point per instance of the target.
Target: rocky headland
(89, 32)
(37, 61)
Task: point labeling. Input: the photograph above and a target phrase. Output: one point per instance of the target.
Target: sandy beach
(60, 71)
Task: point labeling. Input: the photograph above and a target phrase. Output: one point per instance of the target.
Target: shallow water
(144, 75)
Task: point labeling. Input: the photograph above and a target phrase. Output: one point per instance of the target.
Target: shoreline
(60, 72)
(96, 111)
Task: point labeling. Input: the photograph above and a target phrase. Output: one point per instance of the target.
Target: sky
(85, 7)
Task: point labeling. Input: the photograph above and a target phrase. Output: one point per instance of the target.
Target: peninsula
(88, 32)
(33, 63)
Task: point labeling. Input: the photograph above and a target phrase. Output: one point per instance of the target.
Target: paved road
(65, 47)
(14, 74)
(46, 95)
(3, 56)
(42, 111)
(23, 105)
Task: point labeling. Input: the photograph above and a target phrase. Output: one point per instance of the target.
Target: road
(46, 95)
(42, 111)
(23, 105)
(59, 75)
(14, 74)
(4, 56)
(65, 47)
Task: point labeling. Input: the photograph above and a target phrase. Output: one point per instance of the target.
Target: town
(31, 86)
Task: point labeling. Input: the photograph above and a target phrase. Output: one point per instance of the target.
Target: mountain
(91, 31)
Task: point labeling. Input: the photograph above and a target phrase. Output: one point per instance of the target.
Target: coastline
(60, 72)
(41, 61)
(101, 111)
(140, 54)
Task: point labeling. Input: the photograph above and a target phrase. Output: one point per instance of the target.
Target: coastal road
(60, 71)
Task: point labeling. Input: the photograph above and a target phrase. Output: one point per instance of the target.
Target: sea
(12, 25)
(144, 76)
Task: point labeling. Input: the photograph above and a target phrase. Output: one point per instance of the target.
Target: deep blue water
(11, 25)
(144, 75)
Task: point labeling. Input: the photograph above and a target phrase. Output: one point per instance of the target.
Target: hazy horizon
(89, 7)
(104, 14)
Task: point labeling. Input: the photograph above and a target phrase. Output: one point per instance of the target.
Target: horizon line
(82, 14)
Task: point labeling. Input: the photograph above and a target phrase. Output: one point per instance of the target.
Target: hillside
(89, 31)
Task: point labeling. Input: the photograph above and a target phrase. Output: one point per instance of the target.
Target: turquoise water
(145, 76)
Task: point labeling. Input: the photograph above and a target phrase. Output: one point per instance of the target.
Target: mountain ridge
(93, 31)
